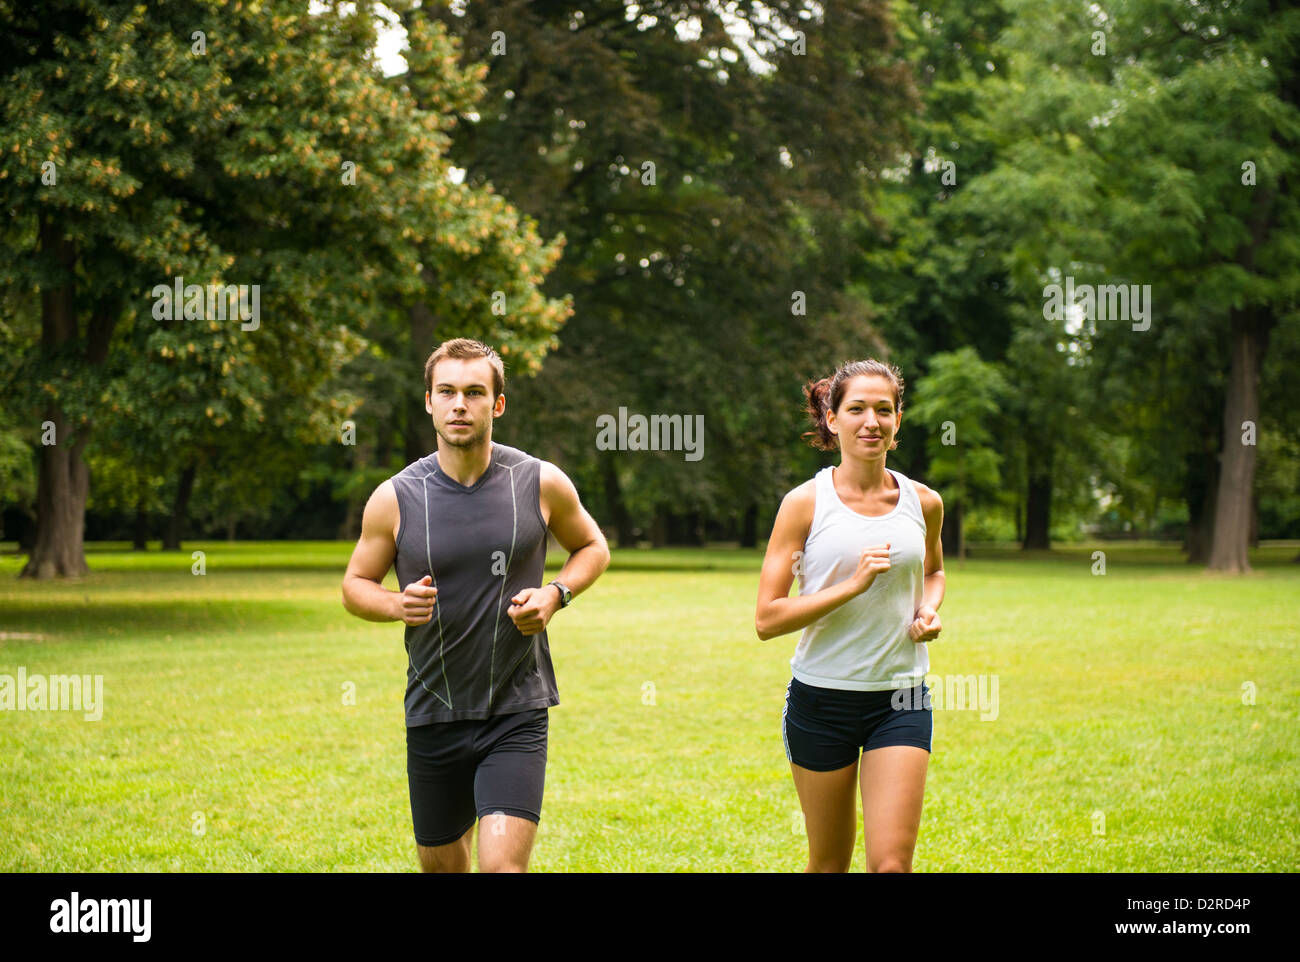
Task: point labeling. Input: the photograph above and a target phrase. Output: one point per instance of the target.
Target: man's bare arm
(575, 529)
(364, 594)
(577, 532)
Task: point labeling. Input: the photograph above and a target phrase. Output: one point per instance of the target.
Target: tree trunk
(141, 542)
(616, 506)
(749, 526)
(1250, 327)
(1232, 506)
(350, 529)
(1201, 491)
(421, 439)
(961, 504)
(1038, 507)
(949, 534)
(27, 539)
(231, 524)
(63, 482)
(180, 508)
(694, 533)
(659, 531)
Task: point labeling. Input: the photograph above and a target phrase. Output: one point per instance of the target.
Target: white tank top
(863, 645)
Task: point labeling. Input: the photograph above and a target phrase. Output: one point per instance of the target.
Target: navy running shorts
(460, 771)
(824, 729)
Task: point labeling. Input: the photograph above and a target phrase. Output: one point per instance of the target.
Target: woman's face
(866, 420)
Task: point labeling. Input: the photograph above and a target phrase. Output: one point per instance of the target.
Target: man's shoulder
(415, 470)
(505, 455)
(502, 454)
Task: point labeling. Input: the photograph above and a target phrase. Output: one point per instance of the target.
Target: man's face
(461, 401)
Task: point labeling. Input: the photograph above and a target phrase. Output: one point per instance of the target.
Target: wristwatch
(565, 594)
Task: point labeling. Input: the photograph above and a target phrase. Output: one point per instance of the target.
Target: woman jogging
(864, 542)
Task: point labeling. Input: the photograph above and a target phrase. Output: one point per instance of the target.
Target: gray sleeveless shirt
(482, 544)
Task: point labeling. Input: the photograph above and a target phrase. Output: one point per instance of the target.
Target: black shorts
(824, 729)
(461, 771)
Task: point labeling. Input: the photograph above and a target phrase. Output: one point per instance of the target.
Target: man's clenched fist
(532, 608)
(417, 601)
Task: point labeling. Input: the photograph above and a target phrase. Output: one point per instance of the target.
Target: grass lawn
(1122, 741)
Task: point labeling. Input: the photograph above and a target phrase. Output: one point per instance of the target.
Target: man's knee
(436, 860)
(505, 843)
(503, 865)
(453, 857)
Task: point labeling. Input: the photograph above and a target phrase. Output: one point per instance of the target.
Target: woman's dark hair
(826, 394)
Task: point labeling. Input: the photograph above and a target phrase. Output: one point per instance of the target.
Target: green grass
(1119, 694)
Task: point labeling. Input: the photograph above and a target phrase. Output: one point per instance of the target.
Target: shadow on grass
(1152, 555)
(316, 557)
(96, 620)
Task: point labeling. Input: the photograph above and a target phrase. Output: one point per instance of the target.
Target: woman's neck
(865, 475)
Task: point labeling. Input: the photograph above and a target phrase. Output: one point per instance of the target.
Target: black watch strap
(565, 594)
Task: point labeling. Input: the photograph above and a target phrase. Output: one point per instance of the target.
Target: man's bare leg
(452, 857)
(505, 843)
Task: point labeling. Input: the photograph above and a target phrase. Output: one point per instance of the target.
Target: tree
(1125, 145)
(700, 181)
(256, 147)
(959, 402)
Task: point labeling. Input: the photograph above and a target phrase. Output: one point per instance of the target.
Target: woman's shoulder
(799, 503)
(931, 502)
(802, 494)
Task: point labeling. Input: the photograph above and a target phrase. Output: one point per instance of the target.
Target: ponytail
(825, 394)
(817, 394)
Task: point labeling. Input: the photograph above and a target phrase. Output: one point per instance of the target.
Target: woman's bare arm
(780, 614)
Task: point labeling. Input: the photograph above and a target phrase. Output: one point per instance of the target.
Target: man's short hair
(466, 349)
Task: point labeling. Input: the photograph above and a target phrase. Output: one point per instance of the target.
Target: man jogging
(466, 528)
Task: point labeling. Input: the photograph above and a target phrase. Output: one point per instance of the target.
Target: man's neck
(465, 465)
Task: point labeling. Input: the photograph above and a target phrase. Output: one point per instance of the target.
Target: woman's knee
(890, 863)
